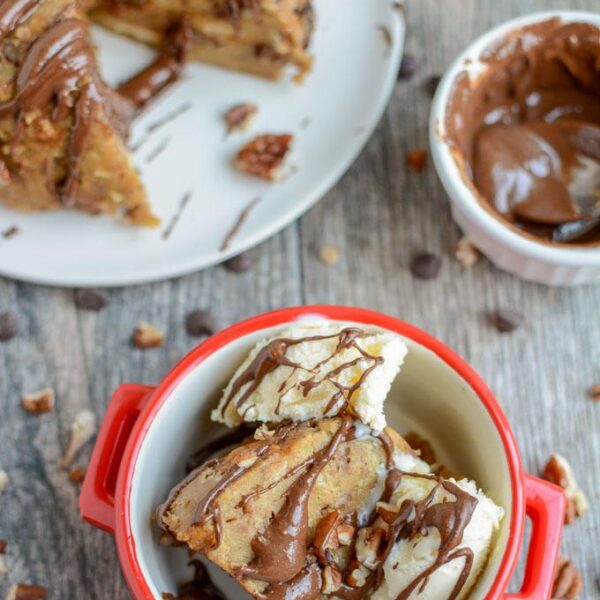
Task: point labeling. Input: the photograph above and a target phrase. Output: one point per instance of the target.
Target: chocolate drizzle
(60, 70)
(201, 587)
(280, 550)
(304, 586)
(165, 70)
(450, 518)
(13, 13)
(274, 355)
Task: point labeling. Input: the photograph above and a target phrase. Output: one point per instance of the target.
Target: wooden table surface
(377, 216)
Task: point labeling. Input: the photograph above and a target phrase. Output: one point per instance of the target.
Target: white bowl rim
(450, 174)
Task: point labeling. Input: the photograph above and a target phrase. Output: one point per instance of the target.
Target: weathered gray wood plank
(377, 216)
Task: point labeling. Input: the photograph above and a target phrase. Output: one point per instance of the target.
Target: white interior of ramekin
(428, 397)
(449, 172)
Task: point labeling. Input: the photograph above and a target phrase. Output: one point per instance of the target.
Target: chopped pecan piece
(21, 591)
(238, 117)
(416, 160)
(76, 475)
(369, 546)
(147, 336)
(326, 537)
(559, 472)
(595, 393)
(332, 580)
(568, 583)
(466, 253)
(263, 156)
(38, 402)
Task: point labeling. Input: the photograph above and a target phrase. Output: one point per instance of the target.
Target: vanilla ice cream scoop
(314, 370)
(443, 531)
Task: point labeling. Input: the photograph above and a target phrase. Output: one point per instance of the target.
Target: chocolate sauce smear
(280, 550)
(165, 70)
(527, 130)
(13, 13)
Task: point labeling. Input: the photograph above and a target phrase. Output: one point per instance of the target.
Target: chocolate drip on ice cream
(274, 355)
(165, 70)
(526, 130)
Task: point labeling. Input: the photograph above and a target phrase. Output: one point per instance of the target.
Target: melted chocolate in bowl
(525, 130)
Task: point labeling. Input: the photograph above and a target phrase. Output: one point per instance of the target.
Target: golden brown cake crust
(260, 37)
(247, 503)
(61, 129)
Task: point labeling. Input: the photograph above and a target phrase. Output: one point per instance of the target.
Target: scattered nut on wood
(39, 402)
(329, 255)
(425, 265)
(466, 253)
(239, 117)
(595, 393)
(559, 472)
(76, 475)
(3, 568)
(147, 336)
(416, 160)
(83, 429)
(3, 481)
(21, 591)
(568, 582)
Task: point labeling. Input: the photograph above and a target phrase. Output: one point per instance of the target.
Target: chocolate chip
(242, 262)
(9, 325)
(200, 322)
(425, 266)
(431, 84)
(90, 299)
(506, 320)
(408, 67)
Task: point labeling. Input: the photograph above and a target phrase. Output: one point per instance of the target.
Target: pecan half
(559, 472)
(263, 156)
(38, 402)
(238, 117)
(568, 583)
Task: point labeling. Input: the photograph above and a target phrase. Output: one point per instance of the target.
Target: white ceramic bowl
(509, 250)
(148, 434)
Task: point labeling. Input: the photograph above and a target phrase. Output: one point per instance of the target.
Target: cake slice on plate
(260, 37)
(62, 129)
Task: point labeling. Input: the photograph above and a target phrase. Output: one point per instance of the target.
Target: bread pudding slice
(262, 511)
(260, 37)
(62, 129)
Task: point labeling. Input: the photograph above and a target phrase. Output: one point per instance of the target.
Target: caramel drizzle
(280, 551)
(273, 355)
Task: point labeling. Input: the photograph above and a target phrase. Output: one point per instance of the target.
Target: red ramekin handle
(545, 505)
(97, 498)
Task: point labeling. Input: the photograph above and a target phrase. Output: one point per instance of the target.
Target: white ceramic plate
(357, 50)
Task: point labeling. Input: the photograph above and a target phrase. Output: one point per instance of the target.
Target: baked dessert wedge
(255, 511)
(62, 129)
(260, 37)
